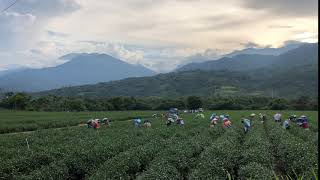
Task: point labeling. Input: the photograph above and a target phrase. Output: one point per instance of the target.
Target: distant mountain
(202, 83)
(10, 71)
(210, 55)
(81, 69)
(240, 62)
(246, 62)
(291, 74)
(170, 84)
(266, 51)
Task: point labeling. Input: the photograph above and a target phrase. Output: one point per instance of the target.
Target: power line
(9, 6)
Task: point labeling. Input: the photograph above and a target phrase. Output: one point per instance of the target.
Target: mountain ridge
(288, 78)
(81, 69)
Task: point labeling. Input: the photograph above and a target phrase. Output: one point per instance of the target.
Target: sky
(159, 34)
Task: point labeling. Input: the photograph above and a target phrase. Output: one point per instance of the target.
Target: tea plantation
(58, 148)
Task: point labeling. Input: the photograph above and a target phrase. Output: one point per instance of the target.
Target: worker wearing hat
(226, 123)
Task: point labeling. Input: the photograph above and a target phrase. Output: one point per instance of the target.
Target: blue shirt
(286, 124)
(247, 122)
(137, 122)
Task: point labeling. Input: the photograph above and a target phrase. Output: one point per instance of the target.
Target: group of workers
(138, 122)
(302, 121)
(247, 122)
(225, 118)
(174, 117)
(95, 123)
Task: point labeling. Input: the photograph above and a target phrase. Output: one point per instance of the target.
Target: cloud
(157, 34)
(280, 27)
(285, 7)
(113, 49)
(250, 45)
(42, 8)
(13, 27)
(57, 34)
(30, 59)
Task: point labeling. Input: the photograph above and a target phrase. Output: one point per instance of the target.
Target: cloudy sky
(159, 34)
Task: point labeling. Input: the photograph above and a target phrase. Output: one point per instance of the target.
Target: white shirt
(277, 116)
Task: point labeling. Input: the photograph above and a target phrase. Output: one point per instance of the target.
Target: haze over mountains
(290, 74)
(253, 58)
(81, 69)
(259, 69)
(198, 58)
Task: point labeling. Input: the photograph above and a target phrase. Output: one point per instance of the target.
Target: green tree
(278, 104)
(19, 101)
(194, 102)
(301, 103)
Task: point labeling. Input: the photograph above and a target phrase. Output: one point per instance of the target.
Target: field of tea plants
(123, 151)
(18, 121)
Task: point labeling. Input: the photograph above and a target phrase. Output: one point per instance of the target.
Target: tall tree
(194, 102)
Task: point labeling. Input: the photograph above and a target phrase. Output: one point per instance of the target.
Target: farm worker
(106, 121)
(247, 124)
(178, 121)
(213, 115)
(251, 118)
(226, 123)
(137, 122)
(169, 121)
(147, 124)
(181, 122)
(292, 117)
(214, 121)
(263, 117)
(305, 124)
(277, 117)
(286, 124)
(96, 124)
(201, 115)
(221, 117)
(299, 121)
(227, 116)
(89, 123)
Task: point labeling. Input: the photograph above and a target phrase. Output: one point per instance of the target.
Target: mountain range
(211, 56)
(80, 69)
(289, 70)
(245, 62)
(290, 74)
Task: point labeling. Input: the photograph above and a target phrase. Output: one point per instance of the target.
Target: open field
(17, 121)
(123, 151)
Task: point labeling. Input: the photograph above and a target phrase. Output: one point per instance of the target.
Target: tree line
(23, 101)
